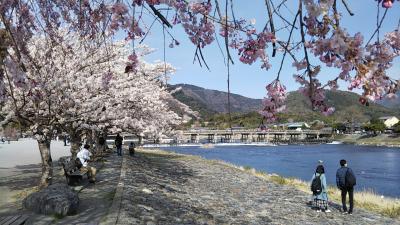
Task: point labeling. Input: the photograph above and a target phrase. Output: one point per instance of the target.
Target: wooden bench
(13, 219)
(72, 173)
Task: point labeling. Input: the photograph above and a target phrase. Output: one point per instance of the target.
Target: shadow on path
(95, 199)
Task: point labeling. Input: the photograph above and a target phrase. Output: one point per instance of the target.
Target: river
(376, 168)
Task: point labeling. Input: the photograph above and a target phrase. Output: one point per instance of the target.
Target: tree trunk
(93, 141)
(89, 140)
(104, 134)
(75, 144)
(99, 147)
(47, 163)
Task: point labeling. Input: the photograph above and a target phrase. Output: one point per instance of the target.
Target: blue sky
(250, 80)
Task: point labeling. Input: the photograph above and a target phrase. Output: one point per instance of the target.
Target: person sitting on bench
(84, 156)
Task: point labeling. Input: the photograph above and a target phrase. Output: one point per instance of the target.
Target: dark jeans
(119, 150)
(344, 193)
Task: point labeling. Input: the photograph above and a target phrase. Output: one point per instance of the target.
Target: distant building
(237, 128)
(389, 121)
(298, 126)
(353, 127)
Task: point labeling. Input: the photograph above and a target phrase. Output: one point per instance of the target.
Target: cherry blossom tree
(80, 85)
(115, 99)
(361, 62)
(29, 98)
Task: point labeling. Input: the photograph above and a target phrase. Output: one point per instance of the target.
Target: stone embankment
(166, 188)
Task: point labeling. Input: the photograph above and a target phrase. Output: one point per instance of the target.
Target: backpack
(350, 179)
(316, 186)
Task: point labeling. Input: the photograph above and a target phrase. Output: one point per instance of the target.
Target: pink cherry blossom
(275, 100)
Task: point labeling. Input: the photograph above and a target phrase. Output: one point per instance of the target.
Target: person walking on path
(102, 144)
(345, 181)
(320, 189)
(84, 156)
(132, 149)
(118, 144)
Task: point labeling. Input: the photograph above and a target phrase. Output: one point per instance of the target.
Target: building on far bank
(298, 126)
(353, 127)
(389, 121)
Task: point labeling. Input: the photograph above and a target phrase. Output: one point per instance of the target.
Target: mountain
(210, 102)
(392, 103)
(214, 101)
(347, 107)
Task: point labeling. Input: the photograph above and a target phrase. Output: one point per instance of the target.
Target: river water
(376, 168)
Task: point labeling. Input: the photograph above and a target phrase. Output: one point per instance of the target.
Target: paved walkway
(95, 199)
(164, 188)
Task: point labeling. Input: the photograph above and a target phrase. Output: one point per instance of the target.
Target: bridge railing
(254, 131)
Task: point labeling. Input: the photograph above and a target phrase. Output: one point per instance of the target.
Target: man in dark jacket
(345, 181)
(118, 144)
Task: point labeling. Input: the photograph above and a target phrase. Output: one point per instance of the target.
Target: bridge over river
(246, 136)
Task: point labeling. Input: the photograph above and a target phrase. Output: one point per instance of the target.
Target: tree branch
(287, 44)
(378, 27)
(271, 24)
(347, 8)
(311, 90)
(160, 16)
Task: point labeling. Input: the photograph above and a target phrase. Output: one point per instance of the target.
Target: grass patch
(370, 200)
(393, 211)
(247, 168)
(278, 179)
(261, 173)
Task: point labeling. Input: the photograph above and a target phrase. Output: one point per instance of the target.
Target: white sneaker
(318, 210)
(328, 211)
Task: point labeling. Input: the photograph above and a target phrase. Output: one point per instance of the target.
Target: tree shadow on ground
(95, 199)
(91, 210)
(332, 205)
(164, 165)
(27, 176)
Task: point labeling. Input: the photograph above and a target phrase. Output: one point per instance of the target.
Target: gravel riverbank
(167, 188)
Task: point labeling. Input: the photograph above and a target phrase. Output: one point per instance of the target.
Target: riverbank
(387, 140)
(367, 200)
(167, 188)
